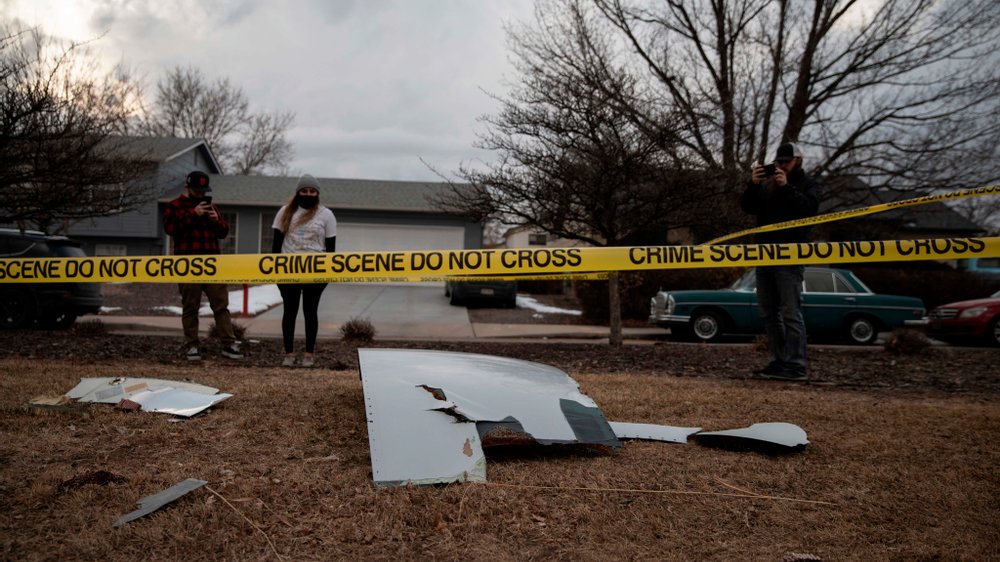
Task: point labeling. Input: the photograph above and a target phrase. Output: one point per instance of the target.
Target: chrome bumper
(668, 319)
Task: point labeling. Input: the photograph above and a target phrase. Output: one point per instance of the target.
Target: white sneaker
(192, 354)
(308, 361)
(288, 361)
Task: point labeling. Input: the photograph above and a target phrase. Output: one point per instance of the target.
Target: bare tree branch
(59, 157)
(188, 105)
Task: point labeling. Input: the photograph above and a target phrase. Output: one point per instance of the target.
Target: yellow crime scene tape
(882, 207)
(507, 264)
(449, 264)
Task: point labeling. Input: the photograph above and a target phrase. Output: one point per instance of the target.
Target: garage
(370, 237)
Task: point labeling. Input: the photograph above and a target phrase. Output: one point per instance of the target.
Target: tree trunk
(614, 311)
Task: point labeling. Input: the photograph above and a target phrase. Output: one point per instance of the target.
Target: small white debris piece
(652, 432)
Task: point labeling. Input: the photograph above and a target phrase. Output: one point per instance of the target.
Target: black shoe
(786, 375)
(769, 369)
(233, 351)
(192, 353)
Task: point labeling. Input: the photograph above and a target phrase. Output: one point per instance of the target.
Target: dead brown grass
(904, 477)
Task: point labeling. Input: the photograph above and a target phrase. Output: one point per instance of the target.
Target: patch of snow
(259, 299)
(171, 309)
(528, 302)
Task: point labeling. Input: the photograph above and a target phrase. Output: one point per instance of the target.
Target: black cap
(197, 181)
(786, 152)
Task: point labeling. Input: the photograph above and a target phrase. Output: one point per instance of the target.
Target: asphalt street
(395, 310)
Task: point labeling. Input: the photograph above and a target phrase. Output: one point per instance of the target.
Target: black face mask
(306, 201)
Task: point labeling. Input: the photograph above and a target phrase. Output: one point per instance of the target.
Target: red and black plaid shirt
(193, 234)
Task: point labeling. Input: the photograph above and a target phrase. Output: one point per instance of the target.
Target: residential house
(371, 214)
(140, 231)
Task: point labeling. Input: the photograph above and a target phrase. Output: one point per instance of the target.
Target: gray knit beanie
(307, 181)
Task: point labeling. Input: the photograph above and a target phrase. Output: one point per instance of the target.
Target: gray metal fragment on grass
(149, 504)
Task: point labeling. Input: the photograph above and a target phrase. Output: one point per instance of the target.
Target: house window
(266, 231)
(539, 239)
(228, 244)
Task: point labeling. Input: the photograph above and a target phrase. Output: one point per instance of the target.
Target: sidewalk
(258, 327)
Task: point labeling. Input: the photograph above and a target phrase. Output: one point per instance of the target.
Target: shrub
(904, 341)
(90, 328)
(239, 330)
(358, 330)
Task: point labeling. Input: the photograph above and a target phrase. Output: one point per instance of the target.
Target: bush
(90, 328)
(359, 330)
(239, 330)
(906, 342)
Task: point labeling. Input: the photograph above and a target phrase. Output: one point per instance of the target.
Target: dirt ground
(901, 465)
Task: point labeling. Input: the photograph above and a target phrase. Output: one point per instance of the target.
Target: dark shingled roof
(152, 149)
(925, 217)
(337, 193)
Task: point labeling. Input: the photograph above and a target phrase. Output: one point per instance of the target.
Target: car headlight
(972, 312)
(670, 304)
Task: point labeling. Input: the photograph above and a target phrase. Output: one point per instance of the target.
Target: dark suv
(49, 305)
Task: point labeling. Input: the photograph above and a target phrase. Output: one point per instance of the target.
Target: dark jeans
(311, 293)
(779, 300)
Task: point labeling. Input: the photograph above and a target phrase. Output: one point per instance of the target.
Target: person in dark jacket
(196, 226)
(303, 225)
(774, 194)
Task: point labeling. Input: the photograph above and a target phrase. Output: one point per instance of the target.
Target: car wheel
(511, 302)
(17, 308)
(59, 320)
(861, 330)
(993, 332)
(706, 326)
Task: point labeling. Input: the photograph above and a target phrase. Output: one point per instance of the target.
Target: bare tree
(902, 94)
(188, 105)
(570, 163)
(59, 158)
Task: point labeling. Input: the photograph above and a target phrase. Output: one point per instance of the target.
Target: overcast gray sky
(375, 84)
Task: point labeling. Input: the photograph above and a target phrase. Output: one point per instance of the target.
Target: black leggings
(311, 292)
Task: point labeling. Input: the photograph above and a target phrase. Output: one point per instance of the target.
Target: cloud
(374, 85)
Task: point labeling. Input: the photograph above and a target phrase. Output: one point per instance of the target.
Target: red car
(974, 321)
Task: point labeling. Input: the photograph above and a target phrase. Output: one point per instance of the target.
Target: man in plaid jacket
(196, 226)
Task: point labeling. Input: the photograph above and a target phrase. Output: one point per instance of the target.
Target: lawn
(889, 474)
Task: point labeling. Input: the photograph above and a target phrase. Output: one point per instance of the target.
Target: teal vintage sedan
(836, 304)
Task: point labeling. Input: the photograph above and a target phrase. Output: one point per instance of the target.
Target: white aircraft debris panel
(430, 412)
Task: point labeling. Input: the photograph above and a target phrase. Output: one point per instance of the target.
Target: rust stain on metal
(435, 392)
(127, 405)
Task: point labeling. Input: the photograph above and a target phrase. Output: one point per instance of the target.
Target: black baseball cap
(197, 181)
(786, 152)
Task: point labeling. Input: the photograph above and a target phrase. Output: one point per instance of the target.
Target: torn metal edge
(653, 432)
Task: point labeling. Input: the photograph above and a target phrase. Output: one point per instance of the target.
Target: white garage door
(362, 237)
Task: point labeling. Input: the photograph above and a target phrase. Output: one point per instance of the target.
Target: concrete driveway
(402, 310)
